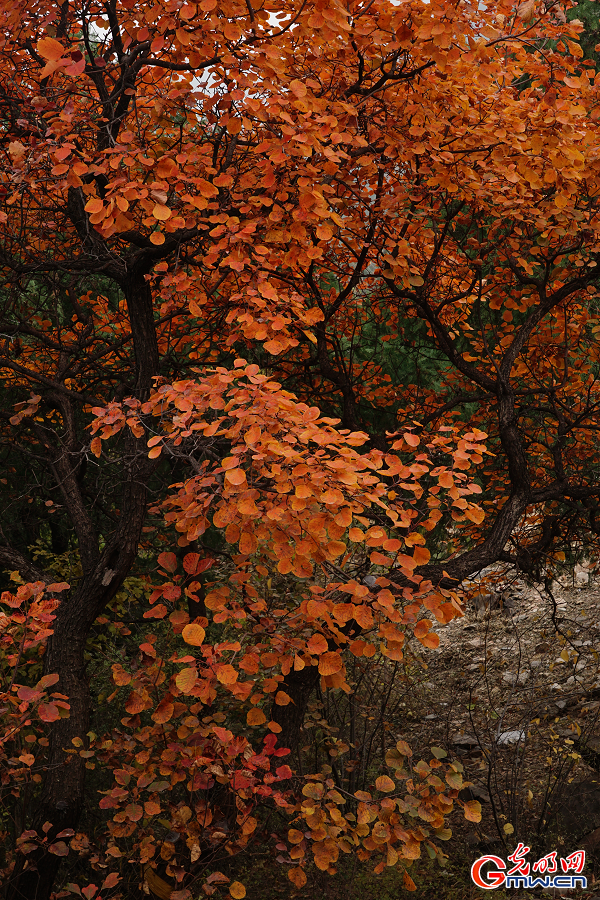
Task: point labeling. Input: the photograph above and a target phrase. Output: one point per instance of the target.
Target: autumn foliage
(299, 330)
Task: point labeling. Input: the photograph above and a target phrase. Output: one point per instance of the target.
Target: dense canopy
(298, 319)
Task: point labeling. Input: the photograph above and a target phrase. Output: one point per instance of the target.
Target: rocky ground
(514, 694)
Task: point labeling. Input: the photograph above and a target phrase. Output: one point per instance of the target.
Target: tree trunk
(62, 798)
(61, 801)
(299, 686)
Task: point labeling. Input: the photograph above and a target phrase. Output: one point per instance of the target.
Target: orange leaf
(408, 882)
(120, 676)
(152, 808)
(475, 514)
(256, 717)
(421, 628)
(431, 640)
(193, 634)
(330, 662)
(186, 679)
(235, 476)
(95, 205)
(166, 167)
(49, 49)
(297, 876)
(226, 674)
(135, 703)
(385, 783)
(298, 87)
(48, 712)
(237, 890)
(161, 212)
(411, 439)
(248, 543)
(190, 563)
(421, 556)
(335, 549)
(163, 711)
(317, 644)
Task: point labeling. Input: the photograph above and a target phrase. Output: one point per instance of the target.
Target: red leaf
(47, 681)
(194, 564)
(58, 849)
(48, 712)
(168, 561)
(157, 612)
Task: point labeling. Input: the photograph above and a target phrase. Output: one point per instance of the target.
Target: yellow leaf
(186, 679)
(473, 811)
(237, 890)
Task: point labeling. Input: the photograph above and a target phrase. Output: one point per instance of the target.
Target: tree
(213, 217)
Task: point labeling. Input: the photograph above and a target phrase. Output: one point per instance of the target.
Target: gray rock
(508, 738)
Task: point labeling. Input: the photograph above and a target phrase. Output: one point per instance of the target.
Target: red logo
(493, 878)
